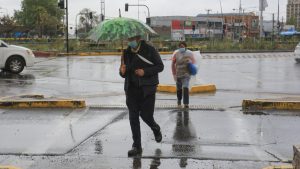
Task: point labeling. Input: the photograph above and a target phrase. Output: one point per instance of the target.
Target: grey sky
(159, 7)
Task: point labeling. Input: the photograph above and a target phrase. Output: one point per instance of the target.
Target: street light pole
(138, 9)
(76, 29)
(138, 5)
(67, 23)
(144, 6)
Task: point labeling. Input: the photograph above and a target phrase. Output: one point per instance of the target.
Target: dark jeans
(182, 86)
(142, 105)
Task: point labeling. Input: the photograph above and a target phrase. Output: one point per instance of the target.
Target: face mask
(133, 44)
(181, 50)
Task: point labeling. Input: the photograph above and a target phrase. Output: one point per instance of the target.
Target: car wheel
(15, 64)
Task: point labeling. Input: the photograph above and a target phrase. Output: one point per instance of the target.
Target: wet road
(100, 138)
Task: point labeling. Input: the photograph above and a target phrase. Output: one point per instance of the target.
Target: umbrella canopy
(119, 29)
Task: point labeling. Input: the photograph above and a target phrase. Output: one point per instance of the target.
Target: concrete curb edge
(270, 105)
(195, 89)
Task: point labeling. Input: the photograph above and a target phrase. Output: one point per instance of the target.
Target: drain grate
(158, 106)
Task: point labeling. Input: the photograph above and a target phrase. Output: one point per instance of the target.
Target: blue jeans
(182, 85)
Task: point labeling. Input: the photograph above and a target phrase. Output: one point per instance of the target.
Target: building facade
(238, 25)
(293, 12)
(181, 27)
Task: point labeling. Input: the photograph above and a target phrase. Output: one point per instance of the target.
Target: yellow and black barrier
(42, 104)
(39, 101)
(195, 89)
(270, 105)
(8, 167)
(280, 167)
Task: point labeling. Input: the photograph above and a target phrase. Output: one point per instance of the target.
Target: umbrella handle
(122, 55)
(122, 59)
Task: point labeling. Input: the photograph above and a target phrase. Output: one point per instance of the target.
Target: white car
(297, 53)
(15, 58)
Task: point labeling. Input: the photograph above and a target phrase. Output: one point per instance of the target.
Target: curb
(280, 167)
(8, 167)
(102, 54)
(55, 53)
(195, 89)
(39, 101)
(43, 104)
(270, 105)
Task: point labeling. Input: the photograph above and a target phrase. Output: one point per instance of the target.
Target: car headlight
(29, 52)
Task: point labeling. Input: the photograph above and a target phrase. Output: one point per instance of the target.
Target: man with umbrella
(140, 67)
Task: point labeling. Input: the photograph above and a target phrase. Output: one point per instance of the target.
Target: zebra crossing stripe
(247, 56)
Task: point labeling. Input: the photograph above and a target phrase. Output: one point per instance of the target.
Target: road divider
(195, 89)
(8, 167)
(39, 101)
(280, 167)
(271, 104)
(95, 54)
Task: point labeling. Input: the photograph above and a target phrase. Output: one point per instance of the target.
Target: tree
(87, 20)
(7, 25)
(41, 16)
(292, 21)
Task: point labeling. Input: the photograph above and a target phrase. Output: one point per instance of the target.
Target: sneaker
(157, 135)
(179, 106)
(135, 151)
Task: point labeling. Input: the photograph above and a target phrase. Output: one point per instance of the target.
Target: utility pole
(67, 24)
(139, 9)
(278, 22)
(262, 6)
(61, 5)
(273, 20)
(102, 15)
(239, 28)
(208, 10)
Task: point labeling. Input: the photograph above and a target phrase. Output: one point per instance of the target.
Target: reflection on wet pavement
(155, 162)
(15, 80)
(136, 163)
(184, 133)
(98, 147)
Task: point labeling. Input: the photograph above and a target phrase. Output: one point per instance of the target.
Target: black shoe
(135, 151)
(157, 135)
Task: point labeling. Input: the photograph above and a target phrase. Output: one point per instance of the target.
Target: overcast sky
(159, 7)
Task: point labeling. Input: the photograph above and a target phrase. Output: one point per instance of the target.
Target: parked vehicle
(297, 53)
(14, 58)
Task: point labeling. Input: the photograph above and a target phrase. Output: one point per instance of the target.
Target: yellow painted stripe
(166, 53)
(280, 167)
(43, 104)
(194, 89)
(103, 54)
(8, 167)
(166, 88)
(203, 88)
(270, 105)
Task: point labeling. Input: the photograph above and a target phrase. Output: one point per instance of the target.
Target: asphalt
(215, 134)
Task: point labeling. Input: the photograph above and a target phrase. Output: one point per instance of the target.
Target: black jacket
(133, 62)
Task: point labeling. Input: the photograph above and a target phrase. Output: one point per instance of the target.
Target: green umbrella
(119, 29)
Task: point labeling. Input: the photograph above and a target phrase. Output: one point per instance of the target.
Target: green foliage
(7, 24)
(292, 21)
(41, 16)
(86, 23)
